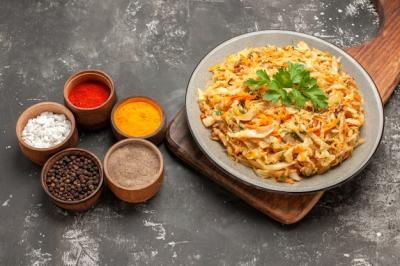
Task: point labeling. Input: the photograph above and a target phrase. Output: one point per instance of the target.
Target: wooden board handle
(285, 208)
(381, 56)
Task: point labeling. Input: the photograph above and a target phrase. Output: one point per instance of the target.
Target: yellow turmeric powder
(137, 118)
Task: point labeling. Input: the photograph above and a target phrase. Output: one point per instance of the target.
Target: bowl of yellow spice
(139, 117)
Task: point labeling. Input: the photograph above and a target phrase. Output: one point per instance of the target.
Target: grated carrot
(330, 125)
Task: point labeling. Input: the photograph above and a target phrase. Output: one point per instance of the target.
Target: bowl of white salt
(45, 129)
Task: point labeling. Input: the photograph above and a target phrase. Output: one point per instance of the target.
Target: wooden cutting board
(380, 57)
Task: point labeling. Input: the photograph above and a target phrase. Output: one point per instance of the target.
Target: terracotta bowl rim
(85, 72)
(156, 103)
(47, 165)
(65, 112)
(124, 142)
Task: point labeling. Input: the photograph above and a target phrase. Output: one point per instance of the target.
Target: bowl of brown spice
(73, 179)
(134, 170)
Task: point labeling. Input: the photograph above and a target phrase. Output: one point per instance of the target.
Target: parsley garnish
(255, 84)
(293, 85)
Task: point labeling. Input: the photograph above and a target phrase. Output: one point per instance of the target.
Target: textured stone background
(150, 48)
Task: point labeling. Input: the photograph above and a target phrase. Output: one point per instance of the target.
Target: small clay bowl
(40, 155)
(77, 205)
(140, 193)
(96, 117)
(157, 136)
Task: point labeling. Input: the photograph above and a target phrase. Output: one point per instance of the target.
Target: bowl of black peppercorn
(73, 179)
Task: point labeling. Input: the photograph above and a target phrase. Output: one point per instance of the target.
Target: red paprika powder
(89, 94)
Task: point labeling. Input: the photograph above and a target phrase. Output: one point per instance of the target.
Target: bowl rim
(47, 166)
(124, 142)
(88, 72)
(155, 102)
(34, 106)
(285, 190)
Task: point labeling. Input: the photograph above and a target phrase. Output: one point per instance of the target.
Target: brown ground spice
(133, 165)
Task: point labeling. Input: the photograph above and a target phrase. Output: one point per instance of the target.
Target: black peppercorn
(73, 177)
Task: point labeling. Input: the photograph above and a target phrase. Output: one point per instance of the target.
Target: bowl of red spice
(90, 95)
(134, 170)
(73, 179)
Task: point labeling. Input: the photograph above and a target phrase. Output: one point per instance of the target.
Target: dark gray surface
(150, 48)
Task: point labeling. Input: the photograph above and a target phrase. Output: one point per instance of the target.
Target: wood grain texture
(380, 57)
(285, 208)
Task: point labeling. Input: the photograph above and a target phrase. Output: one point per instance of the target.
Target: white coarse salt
(46, 130)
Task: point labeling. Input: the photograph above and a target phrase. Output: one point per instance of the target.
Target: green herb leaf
(298, 98)
(301, 87)
(274, 85)
(272, 95)
(255, 84)
(251, 82)
(262, 74)
(296, 72)
(285, 99)
(317, 97)
(283, 78)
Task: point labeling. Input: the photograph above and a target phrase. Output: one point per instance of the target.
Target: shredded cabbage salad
(278, 141)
